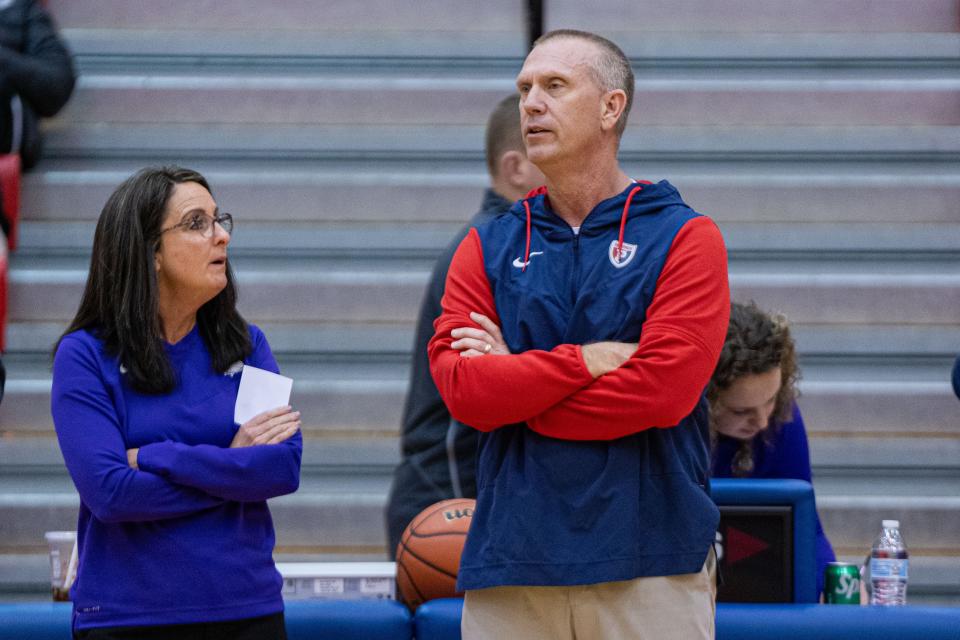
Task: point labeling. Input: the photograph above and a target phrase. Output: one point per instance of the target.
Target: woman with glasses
(173, 527)
(756, 427)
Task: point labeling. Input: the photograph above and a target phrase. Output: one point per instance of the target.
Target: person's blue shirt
(188, 537)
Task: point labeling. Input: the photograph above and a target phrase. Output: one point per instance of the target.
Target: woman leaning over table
(755, 423)
(173, 527)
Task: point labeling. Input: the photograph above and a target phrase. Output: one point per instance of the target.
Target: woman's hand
(472, 342)
(132, 457)
(269, 427)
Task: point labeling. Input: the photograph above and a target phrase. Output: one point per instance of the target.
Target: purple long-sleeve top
(188, 537)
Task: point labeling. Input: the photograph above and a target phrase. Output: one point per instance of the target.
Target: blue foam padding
(438, 619)
(306, 620)
(35, 621)
(836, 622)
(348, 620)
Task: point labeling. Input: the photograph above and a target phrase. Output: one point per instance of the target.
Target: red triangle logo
(741, 546)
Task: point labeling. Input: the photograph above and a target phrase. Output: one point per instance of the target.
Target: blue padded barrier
(835, 622)
(440, 620)
(795, 493)
(306, 620)
(35, 621)
(348, 620)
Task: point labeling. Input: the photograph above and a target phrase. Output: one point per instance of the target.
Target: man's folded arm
(494, 390)
(679, 346)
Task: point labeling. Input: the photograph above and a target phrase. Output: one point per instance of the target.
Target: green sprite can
(842, 584)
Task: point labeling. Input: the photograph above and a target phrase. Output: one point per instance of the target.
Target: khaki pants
(660, 608)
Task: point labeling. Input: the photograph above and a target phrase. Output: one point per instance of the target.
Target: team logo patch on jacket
(627, 252)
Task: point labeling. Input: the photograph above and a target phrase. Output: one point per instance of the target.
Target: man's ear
(612, 107)
(509, 166)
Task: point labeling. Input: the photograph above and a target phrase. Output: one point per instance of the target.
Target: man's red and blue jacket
(584, 480)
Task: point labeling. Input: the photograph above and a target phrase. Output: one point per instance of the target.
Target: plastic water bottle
(888, 566)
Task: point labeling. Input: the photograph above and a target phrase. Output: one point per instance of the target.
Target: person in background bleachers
(36, 75)
(174, 527)
(756, 425)
(956, 377)
(438, 453)
(36, 78)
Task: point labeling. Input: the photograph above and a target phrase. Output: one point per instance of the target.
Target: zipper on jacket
(576, 267)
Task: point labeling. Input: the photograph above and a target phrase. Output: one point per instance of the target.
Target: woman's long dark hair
(757, 342)
(121, 304)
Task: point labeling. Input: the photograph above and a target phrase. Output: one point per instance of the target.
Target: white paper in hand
(260, 391)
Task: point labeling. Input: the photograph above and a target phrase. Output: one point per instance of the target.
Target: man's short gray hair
(611, 69)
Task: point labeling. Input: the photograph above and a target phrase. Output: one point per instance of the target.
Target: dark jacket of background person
(36, 76)
(956, 377)
(439, 454)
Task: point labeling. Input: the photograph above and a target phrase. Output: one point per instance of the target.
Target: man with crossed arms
(578, 333)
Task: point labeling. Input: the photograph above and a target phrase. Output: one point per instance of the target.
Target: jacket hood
(638, 199)
(650, 199)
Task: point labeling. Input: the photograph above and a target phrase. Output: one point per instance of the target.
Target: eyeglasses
(203, 224)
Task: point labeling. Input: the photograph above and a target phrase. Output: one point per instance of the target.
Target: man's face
(560, 101)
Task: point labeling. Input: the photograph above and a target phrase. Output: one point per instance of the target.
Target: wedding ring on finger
(487, 347)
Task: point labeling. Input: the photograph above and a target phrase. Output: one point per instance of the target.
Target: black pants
(265, 628)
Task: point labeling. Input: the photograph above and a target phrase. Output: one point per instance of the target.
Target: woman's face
(743, 409)
(191, 265)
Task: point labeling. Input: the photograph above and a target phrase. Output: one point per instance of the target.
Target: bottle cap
(891, 524)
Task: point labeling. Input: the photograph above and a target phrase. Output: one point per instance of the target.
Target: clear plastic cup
(63, 562)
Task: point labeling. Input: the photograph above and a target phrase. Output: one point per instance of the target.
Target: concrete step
(348, 510)
(358, 100)
(642, 16)
(690, 30)
(458, 16)
(928, 523)
(325, 455)
(399, 240)
(112, 50)
(844, 405)
(190, 144)
(392, 342)
(799, 193)
(342, 518)
(419, 192)
(435, 28)
(104, 48)
(314, 290)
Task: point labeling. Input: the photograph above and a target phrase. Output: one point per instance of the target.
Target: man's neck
(507, 191)
(574, 192)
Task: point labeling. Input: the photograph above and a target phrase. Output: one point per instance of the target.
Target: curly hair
(756, 343)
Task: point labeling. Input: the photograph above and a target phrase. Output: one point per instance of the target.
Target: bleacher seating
(347, 141)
